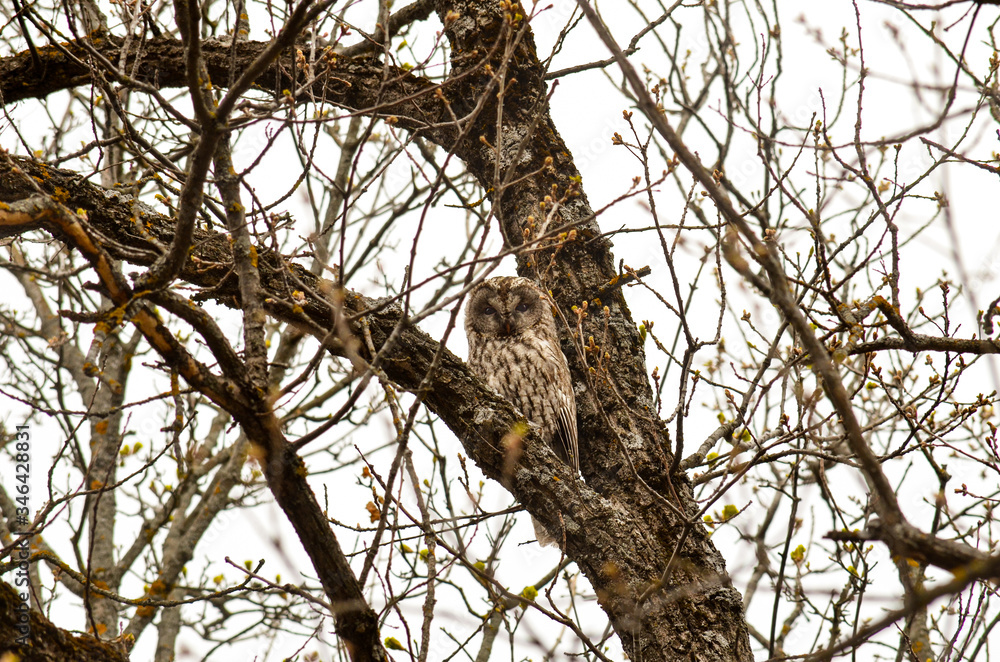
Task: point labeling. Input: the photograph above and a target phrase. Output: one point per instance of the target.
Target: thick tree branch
(354, 83)
(48, 643)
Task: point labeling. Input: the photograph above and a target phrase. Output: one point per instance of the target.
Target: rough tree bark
(48, 643)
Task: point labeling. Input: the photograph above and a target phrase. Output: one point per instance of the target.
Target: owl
(514, 347)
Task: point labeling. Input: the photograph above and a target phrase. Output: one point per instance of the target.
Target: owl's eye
(522, 308)
(489, 310)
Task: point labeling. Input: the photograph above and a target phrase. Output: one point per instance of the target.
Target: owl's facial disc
(504, 309)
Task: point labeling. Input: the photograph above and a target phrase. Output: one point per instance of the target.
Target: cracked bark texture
(631, 517)
(47, 642)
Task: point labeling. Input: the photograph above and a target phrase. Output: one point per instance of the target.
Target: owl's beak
(507, 327)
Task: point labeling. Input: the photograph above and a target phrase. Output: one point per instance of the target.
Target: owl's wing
(566, 432)
(565, 439)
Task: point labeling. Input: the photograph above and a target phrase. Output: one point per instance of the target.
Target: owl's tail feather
(545, 539)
